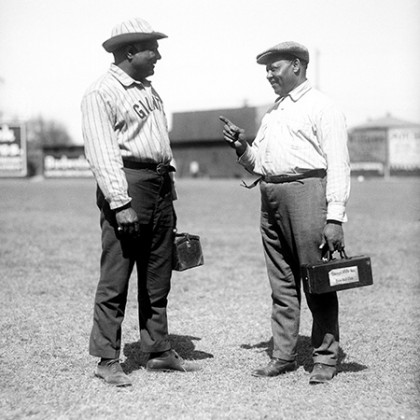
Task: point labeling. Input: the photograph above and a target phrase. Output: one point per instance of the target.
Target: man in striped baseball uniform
(127, 145)
(300, 154)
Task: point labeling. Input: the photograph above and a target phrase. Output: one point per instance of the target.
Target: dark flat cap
(284, 48)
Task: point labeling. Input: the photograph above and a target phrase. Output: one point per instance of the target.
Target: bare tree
(41, 133)
(47, 133)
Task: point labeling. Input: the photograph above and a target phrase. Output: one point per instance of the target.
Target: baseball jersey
(122, 118)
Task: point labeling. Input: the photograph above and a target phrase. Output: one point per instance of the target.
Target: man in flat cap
(126, 143)
(300, 155)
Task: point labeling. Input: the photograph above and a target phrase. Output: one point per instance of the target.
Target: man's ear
(296, 66)
(130, 51)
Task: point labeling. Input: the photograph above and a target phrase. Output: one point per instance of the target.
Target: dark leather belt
(159, 168)
(280, 179)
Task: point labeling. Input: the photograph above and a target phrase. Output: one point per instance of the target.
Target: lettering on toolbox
(343, 276)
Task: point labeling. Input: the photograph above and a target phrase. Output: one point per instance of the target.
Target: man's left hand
(333, 237)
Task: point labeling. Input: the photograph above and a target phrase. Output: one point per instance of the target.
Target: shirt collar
(297, 92)
(300, 90)
(124, 78)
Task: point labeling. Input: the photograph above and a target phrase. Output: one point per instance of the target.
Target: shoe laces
(273, 362)
(114, 365)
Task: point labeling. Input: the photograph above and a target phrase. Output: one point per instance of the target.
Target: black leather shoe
(170, 361)
(322, 373)
(275, 367)
(113, 374)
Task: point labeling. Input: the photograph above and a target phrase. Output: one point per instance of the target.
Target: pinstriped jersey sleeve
(101, 147)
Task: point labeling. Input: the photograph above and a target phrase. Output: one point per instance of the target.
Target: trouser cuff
(277, 354)
(325, 361)
(156, 348)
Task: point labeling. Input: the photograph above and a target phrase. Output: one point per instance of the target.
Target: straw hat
(129, 32)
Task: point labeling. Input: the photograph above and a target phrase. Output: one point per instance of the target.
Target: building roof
(196, 126)
(388, 121)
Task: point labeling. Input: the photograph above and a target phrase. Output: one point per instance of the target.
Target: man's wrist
(241, 151)
(124, 207)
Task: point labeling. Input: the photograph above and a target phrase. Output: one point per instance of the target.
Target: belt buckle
(161, 169)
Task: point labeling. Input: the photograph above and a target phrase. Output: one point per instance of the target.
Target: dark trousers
(293, 216)
(151, 252)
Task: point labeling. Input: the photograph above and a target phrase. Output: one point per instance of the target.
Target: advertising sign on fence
(13, 158)
(404, 148)
(65, 162)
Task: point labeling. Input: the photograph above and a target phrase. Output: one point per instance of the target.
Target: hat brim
(266, 57)
(115, 42)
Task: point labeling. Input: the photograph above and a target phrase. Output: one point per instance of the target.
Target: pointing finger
(229, 123)
(225, 120)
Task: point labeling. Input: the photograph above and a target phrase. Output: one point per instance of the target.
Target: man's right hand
(234, 136)
(127, 221)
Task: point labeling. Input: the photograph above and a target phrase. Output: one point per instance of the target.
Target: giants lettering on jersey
(146, 106)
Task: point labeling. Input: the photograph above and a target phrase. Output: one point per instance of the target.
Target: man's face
(145, 58)
(281, 76)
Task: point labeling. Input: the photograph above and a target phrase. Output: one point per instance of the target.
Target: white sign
(13, 160)
(345, 275)
(64, 166)
(404, 148)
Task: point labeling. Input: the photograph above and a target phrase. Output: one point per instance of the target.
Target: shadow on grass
(304, 354)
(182, 344)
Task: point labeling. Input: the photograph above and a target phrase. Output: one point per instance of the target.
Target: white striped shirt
(303, 131)
(122, 118)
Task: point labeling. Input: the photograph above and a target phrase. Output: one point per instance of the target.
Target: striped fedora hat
(131, 31)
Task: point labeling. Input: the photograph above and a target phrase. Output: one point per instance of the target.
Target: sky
(365, 54)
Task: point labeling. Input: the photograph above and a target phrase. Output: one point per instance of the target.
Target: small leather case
(187, 252)
(337, 274)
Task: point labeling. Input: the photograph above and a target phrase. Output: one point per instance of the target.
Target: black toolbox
(337, 274)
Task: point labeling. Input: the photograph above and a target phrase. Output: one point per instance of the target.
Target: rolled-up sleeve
(332, 131)
(247, 159)
(101, 148)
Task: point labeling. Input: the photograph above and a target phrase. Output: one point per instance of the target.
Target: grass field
(218, 314)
